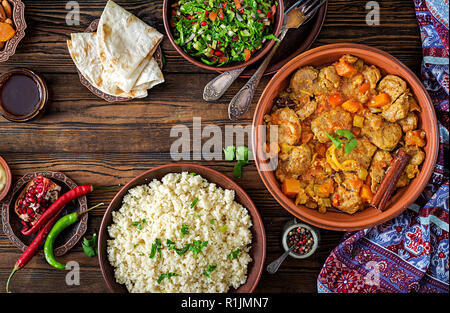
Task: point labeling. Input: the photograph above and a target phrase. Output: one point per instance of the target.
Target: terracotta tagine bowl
(403, 197)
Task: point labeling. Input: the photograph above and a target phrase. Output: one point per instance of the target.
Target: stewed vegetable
(219, 32)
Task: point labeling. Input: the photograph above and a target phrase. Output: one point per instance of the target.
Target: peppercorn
(302, 240)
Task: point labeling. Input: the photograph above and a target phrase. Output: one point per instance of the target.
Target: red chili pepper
(33, 248)
(57, 205)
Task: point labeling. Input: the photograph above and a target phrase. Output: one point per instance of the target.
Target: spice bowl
(18, 19)
(4, 167)
(300, 234)
(28, 104)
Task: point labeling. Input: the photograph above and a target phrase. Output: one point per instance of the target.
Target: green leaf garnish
(139, 224)
(335, 140)
(345, 133)
(209, 270)
(197, 246)
(223, 228)
(193, 203)
(90, 246)
(192, 173)
(229, 153)
(242, 154)
(184, 230)
(234, 254)
(156, 246)
(166, 275)
(350, 145)
(211, 221)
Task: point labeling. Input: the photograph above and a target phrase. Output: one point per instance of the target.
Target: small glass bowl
(43, 94)
(293, 225)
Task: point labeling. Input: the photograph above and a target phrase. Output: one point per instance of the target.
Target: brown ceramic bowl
(18, 17)
(232, 66)
(403, 197)
(7, 187)
(39, 109)
(12, 224)
(257, 252)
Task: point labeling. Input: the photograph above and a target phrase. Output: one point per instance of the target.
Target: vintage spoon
(217, 87)
(273, 267)
(295, 17)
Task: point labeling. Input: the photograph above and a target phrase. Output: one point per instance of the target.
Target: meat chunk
(306, 110)
(380, 163)
(362, 154)
(350, 88)
(372, 75)
(409, 122)
(329, 122)
(383, 134)
(393, 85)
(328, 79)
(347, 193)
(398, 109)
(299, 160)
(302, 82)
(289, 128)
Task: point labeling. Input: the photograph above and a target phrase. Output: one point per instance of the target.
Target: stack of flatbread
(118, 58)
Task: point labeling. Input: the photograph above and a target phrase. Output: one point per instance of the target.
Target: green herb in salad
(219, 32)
(156, 246)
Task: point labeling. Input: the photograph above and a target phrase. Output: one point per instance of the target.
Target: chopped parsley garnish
(156, 246)
(209, 270)
(138, 224)
(197, 246)
(234, 254)
(166, 275)
(211, 221)
(223, 228)
(350, 144)
(184, 230)
(192, 173)
(193, 203)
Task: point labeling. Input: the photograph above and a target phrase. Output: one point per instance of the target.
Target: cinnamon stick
(390, 180)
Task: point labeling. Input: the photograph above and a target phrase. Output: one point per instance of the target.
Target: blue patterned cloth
(410, 253)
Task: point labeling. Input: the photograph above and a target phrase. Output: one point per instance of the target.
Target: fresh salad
(219, 32)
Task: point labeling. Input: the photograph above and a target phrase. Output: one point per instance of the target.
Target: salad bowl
(258, 54)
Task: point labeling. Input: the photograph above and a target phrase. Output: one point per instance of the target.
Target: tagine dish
(339, 128)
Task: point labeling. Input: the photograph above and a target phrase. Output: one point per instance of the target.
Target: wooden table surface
(95, 142)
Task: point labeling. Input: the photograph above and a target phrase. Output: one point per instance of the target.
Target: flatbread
(84, 53)
(125, 44)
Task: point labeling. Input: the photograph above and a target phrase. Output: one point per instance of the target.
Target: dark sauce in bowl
(23, 95)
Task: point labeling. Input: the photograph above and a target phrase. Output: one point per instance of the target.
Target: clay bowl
(68, 238)
(18, 17)
(232, 66)
(257, 252)
(7, 187)
(403, 197)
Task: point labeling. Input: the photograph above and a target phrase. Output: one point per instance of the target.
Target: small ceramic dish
(12, 224)
(403, 197)
(110, 98)
(18, 17)
(277, 25)
(8, 175)
(315, 235)
(257, 251)
(42, 90)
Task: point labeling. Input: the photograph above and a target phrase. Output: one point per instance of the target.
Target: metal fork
(240, 103)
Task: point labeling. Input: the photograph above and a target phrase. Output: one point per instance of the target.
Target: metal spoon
(295, 17)
(273, 267)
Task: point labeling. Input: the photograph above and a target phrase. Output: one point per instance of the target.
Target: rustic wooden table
(95, 142)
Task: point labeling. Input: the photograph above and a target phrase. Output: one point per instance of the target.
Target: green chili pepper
(59, 226)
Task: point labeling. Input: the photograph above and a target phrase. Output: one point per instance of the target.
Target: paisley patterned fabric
(409, 253)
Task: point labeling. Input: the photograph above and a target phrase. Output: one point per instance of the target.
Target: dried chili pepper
(60, 203)
(33, 248)
(59, 226)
